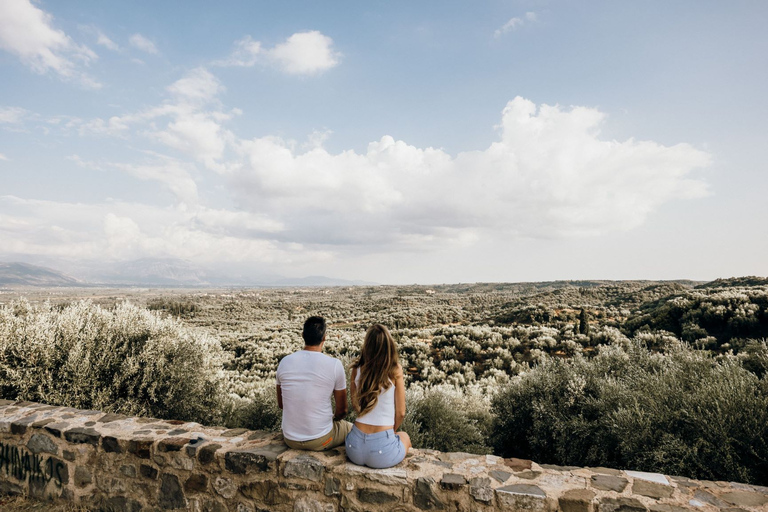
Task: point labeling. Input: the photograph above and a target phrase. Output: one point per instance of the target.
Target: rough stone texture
(577, 500)
(171, 494)
(304, 466)
(480, 489)
(452, 482)
(112, 462)
(39, 443)
(375, 496)
(621, 505)
(424, 497)
(609, 483)
(523, 497)
(652, 489)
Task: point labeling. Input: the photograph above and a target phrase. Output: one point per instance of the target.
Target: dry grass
(24, 504)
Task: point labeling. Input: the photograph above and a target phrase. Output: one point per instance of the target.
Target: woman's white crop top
(383, 413)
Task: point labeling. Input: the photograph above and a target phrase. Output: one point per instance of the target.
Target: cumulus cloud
(547, 174)
(515, 23)
(303, 53)
(27, 32)
(140, 42)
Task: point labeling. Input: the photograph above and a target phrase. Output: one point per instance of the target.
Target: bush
(683, 412)
(259, 411)
(127, 360)
(443, 418)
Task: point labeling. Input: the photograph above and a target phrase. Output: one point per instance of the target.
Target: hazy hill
(24, 274)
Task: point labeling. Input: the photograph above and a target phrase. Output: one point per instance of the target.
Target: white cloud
(3, 157)
(140, 42)
(106, 42)
(26, 32)
(303, 53)
(12, 115)
(128, 230)
(515, 23)
(548, 174)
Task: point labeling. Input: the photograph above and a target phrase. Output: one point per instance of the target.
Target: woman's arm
(399, 397)
(353, 390)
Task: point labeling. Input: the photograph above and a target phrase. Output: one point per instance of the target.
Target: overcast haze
(398, 142)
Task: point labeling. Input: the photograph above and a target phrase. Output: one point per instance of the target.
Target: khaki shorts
(330, 440)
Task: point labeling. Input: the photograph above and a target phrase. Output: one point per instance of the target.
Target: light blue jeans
(379, 450)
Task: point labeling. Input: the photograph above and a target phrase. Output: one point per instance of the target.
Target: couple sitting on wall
(306, 380)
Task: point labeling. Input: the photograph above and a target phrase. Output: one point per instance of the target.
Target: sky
(391, 142)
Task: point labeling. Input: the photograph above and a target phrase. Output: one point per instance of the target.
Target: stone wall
(140, 464)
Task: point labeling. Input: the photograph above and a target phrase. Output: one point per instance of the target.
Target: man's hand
(340, 396)
(279, 397)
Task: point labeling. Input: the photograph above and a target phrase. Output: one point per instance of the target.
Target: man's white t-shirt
(307, 380)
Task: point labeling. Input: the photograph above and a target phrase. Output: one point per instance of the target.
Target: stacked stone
(143, 464)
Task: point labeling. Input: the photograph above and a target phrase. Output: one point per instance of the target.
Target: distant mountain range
(149, 272)
(23, 274)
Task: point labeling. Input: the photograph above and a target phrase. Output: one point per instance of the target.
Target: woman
(378, 396)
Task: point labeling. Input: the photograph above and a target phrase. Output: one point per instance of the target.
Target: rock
(518, 464)
(109, 417)
(82, 435)
(651, 489)
(234, 432)
(240, 461)
(577, 500)
(122, 504)
(744, 499)
(196, 483)
(529, 474)
(480, 489)
(706, 497)
(83, 476)
(606, 471)
(172, 444)
(310, 505)
(558, 468)
(206, 453)
(424, 497)
(225, 487)
(332, 486)
(111, 445)
(39, 443)
(388, 476)
(128, 470)
(500, 476)
(621, 505)
(140, 447)
(304, 466)
(452, 482)
(55, 429)
(524, 497)
(266, 491)
(376, 496)
(609, 483)
(171, 495)
(193, 446)
(148, 472)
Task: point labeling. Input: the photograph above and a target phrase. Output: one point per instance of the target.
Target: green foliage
(257, 412)
(682, 412)
(447, 420)
(125, 360)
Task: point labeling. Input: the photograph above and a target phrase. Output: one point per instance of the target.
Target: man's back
(307, 379)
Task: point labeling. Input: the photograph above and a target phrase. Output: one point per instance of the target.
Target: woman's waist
(366, 428)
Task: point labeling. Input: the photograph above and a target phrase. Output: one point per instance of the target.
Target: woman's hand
(399, 396)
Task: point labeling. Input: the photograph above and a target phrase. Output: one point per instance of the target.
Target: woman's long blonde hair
(376, 366)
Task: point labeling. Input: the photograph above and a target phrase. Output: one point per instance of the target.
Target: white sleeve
(341, 378)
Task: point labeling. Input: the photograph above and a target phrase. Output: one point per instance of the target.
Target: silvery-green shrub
(126, 359)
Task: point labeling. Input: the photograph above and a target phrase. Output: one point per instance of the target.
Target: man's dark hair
(314, 330)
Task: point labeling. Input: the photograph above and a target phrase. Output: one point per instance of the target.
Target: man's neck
(314, 348)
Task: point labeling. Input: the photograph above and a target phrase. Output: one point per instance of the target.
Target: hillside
(23, 274)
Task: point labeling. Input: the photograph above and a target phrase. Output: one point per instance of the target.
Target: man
(305, 381)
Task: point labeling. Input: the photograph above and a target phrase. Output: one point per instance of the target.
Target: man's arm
(279, 397)
(340, 395)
